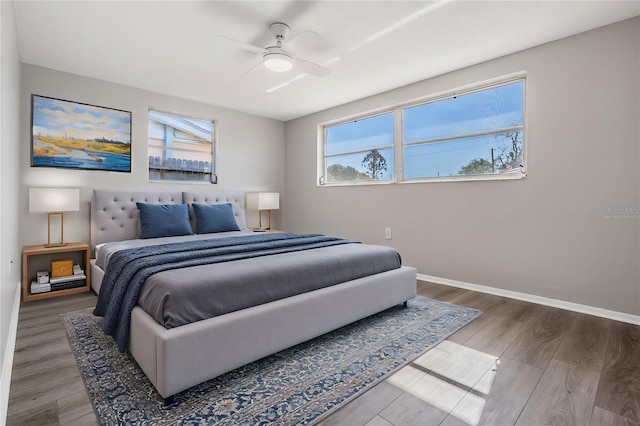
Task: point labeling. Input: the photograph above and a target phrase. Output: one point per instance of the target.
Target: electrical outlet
(387, 233)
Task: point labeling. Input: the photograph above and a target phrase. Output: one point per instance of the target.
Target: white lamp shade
(52, 200)
(263, 200)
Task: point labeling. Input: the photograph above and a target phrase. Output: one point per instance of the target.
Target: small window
(180, 148)
(359, 150)
(479, 133)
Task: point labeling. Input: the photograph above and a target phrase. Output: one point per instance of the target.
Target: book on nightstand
(68, 284)
(39, 288)
(68, 278)
(60, 283)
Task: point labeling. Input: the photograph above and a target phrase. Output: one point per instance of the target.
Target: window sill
(466, 178)
(364, 183)
(176, 182)
(432, 180)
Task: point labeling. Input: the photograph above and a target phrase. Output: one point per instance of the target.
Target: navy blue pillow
(214, 218)
(164, 220)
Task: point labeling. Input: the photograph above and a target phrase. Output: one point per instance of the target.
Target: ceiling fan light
(278, 62)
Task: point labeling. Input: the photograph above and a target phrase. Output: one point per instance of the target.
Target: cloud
(59, 118)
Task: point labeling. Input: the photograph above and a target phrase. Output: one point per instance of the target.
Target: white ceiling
(170, 47)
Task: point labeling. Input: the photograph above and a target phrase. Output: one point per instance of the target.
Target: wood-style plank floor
(517, 364)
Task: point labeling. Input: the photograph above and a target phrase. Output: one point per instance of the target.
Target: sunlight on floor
(451, 377)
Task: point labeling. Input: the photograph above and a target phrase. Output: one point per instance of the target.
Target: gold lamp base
(60, 243)
(265, 228)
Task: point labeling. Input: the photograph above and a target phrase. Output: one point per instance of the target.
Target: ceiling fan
(276, 58)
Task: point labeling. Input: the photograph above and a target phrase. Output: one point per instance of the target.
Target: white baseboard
(7, 367)
(569, 306)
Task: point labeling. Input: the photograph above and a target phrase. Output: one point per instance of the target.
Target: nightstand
(38, 258)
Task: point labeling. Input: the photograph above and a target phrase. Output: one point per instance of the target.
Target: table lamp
(262, 201)
(54, 201)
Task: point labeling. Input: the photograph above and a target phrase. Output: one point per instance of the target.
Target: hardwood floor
(517, 364)
(46, 387)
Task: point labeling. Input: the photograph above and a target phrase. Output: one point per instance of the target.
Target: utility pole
(493, 166)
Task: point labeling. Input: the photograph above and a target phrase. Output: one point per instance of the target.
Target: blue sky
(58, 118)
(499, 107)
(367, 133)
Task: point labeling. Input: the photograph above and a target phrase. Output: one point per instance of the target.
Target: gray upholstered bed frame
(179, 358)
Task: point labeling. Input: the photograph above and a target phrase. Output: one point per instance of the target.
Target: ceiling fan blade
(253, 67)
(311, 68)
(302, 35)
(243, 46)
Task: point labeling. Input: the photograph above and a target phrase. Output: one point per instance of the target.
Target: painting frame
(74, 135)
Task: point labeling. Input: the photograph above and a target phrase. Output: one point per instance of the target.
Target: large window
(479, 133)
(180, 148)
(474, 134)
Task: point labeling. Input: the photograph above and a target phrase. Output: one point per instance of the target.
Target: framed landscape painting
(73, 135)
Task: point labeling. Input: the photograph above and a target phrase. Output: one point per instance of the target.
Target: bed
(177, 358)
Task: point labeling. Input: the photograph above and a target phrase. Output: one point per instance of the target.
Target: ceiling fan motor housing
(280, 30)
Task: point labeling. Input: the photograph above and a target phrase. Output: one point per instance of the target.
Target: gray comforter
(182, 296)
(179, 295)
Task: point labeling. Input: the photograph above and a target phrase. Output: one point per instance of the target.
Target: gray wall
(9, 149)
(547, 234)
(250, 149)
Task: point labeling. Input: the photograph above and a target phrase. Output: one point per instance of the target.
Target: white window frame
(323, 136)
(398, 137)
(214, 150)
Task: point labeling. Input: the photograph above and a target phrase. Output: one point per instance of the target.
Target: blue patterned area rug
(295, 386)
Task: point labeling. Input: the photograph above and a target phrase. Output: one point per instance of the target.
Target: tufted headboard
(115, 216)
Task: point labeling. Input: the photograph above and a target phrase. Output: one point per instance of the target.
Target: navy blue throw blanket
(128, 269)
